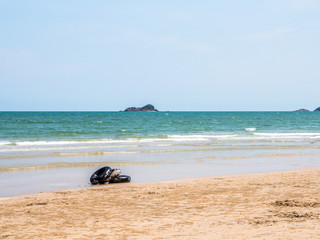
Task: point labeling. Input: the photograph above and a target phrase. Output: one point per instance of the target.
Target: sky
(105, 55)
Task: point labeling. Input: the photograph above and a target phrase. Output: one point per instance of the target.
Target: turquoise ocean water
(42, 151)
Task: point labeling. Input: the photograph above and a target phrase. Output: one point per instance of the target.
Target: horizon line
(156, 111)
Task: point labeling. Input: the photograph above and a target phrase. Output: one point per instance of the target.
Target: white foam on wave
(41, 143)
(73, 144)
(254, 136)
(250, 129)
(2, 143)
(59, 145)
(288, 135)
(51, 143)
(200, 137)
(24, 146)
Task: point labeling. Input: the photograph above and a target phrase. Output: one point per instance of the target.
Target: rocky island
(146, 108)
(306, 110)
(302, 110)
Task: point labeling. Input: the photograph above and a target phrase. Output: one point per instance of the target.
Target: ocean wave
(79, 164)
(288, 135)
(62, 148)
(63, 142)
(162, 138)
(154, 139)
(288, 155)
(3, 143)
(200, 137)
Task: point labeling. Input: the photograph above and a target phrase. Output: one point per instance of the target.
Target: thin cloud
(17, 54)
(300, 5)
(176, 41)
(267, 35)
(29, 63)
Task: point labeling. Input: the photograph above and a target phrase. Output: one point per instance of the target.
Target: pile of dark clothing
(108, 175)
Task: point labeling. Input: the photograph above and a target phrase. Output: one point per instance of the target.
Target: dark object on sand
(101, 175)
(120, 179)
(107, 174)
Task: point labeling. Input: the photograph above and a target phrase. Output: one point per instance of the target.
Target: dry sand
(282, 205)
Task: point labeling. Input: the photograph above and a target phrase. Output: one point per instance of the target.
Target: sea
(49, 151)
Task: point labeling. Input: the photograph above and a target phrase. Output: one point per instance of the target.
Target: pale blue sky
(178, 55)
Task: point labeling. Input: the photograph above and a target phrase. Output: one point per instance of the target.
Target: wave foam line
(288, 135)
(170, 138)
(64, 142)
(67, 154)
(78, 154)
(83, 164)
(273, 156)
(250, 129)
(65, 148)
(194, 137)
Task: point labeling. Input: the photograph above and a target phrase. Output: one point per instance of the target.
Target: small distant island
(146, 108)
(302, 110)
(306, 110)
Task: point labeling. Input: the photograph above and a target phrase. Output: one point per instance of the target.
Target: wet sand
(282, 205)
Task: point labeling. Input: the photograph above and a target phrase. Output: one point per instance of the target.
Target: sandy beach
(281, 205)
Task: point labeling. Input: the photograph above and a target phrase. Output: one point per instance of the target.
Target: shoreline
(83, 184)
(168, 181)
(273, 205)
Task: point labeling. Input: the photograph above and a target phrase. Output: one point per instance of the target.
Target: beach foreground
(284, 205)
